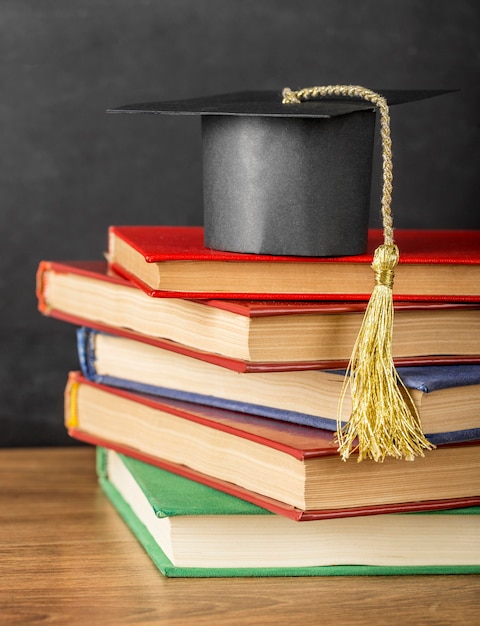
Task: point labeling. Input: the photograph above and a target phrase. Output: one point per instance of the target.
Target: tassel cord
(384, 420)
(356, 91)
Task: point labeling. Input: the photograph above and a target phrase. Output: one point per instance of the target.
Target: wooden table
(67, 558)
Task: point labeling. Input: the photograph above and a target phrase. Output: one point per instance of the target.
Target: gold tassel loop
(290, 97)
(384, 420)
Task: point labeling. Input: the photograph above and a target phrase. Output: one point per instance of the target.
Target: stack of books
(210, 383)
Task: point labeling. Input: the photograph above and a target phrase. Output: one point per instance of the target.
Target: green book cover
(191, 530)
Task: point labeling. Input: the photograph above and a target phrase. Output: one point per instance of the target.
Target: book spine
(70, 402)
(43, 306)
(86, 352)
(101, 462)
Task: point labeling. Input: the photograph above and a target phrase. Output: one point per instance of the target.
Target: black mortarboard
(284, 176)
(288, 179)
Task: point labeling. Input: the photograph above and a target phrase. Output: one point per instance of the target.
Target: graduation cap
(289, 174)
(285, 178)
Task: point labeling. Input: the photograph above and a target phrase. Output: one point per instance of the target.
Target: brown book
(252, 335)
(289, 469)
(173, 261)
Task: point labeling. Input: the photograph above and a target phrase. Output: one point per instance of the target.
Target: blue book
(447, 397)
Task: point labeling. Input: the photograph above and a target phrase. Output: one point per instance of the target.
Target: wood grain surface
(67, 558)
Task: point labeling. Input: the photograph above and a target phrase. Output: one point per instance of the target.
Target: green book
(192, 530)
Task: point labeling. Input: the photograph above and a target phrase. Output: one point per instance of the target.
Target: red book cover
(98, 318)
(298, 442)
(434, 264)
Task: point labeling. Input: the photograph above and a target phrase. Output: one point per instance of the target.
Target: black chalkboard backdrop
(68, 169)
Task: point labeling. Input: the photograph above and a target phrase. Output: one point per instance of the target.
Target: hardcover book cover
(286, 468)
(251, 335)
(191, 530)
(172, 261)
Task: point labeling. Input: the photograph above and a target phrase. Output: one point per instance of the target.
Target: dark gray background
(68, 170)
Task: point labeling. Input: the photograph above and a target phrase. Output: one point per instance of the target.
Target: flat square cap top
(269, 104)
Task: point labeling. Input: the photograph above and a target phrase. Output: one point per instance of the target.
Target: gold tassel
(384, 420)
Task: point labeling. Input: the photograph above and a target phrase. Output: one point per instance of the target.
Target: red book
(173, 261)
(286, 468)
(251, 335)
